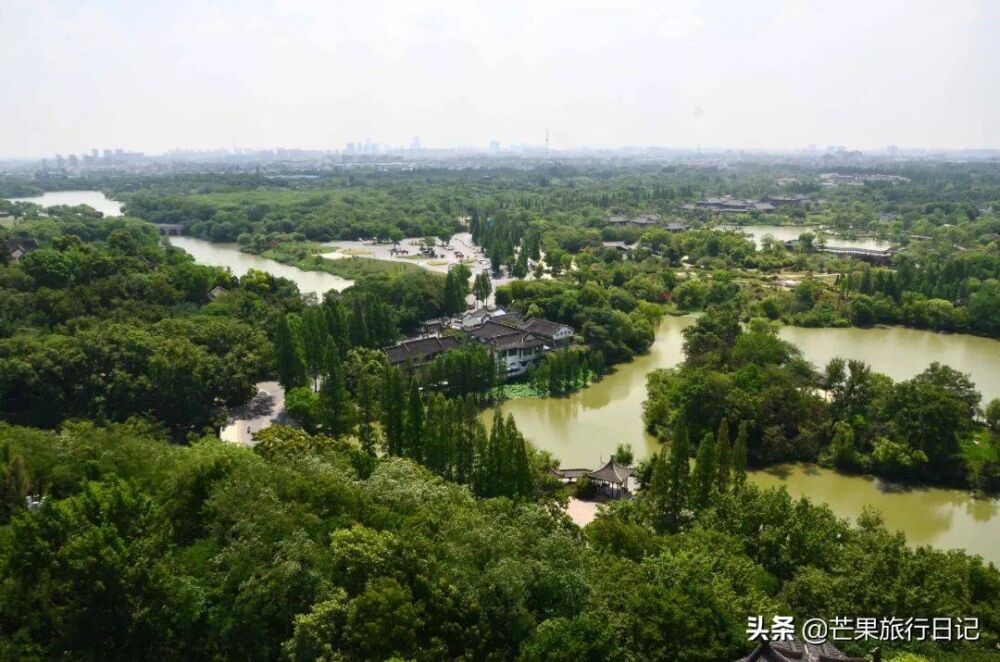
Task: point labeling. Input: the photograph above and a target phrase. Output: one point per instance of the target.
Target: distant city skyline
(309, 74)
(494, 148)
(374, 148)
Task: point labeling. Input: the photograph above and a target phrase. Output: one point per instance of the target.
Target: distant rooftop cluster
(830, 179)
(647, 221)
(730, 205)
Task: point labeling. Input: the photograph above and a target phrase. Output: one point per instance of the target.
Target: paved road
(263, 410)
(461, 242)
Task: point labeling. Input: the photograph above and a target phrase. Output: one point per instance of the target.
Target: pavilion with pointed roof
(796, 650)
(612, 475)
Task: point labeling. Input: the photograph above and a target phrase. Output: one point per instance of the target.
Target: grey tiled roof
(420, 350)
(612, 472)
(543, 328)
(795, 650)
(519, 340)
(492, 329)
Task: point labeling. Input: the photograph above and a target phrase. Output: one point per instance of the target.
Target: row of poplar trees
(359, 393)
(565, 370)
(301, 341)
(675, 492)
(445, 435)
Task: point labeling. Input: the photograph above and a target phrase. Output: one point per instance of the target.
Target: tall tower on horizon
(546, 141)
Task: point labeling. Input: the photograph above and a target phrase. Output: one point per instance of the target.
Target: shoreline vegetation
(932, 429)
(169, 515)
(393, 513)
(308, 257)
(829, 300)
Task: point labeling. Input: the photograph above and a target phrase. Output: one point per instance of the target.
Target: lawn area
(306, 256)
(980, 449)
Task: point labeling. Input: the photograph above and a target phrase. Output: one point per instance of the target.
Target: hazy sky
(149, 75)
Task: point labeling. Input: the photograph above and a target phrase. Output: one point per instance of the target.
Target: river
(95, 199)
(782, 233)
(585, 427)
(229, 255)
(204, 252)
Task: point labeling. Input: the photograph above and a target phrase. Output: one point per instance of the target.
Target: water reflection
(586, 427)
(902, 353)
(95, 199)
(783, 233)
(229, 255)
(927, 515)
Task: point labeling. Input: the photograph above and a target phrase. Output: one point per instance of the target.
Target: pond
(782, 233)
(585, 427)
(95, 199)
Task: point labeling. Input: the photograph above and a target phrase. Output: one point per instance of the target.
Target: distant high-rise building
(94, 153)
(494, 146)
(415, 144)
(351, 148)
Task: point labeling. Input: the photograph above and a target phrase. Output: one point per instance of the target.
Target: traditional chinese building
(515, 349)
(18, 248)
(420, 351)
(516, 342)
(612, 476)
(800, 651)
(553, 333)
(641, 221)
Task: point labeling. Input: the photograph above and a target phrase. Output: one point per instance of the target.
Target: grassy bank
(307, 256)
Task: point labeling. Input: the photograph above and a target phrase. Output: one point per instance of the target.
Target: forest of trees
(113, 325)
(336, 384)
(920, 429)
(307, 548)
(551, 218)
(398, 519)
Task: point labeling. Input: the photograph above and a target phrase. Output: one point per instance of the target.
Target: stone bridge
(171, 229)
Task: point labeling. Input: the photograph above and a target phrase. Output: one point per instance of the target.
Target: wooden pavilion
(800, 651)
(613, 477)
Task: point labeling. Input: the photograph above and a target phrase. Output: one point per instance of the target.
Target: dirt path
(582, 512)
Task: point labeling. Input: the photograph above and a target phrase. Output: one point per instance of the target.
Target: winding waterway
(230, 256)
(587, 426)
(95, 199)
(204, 252)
